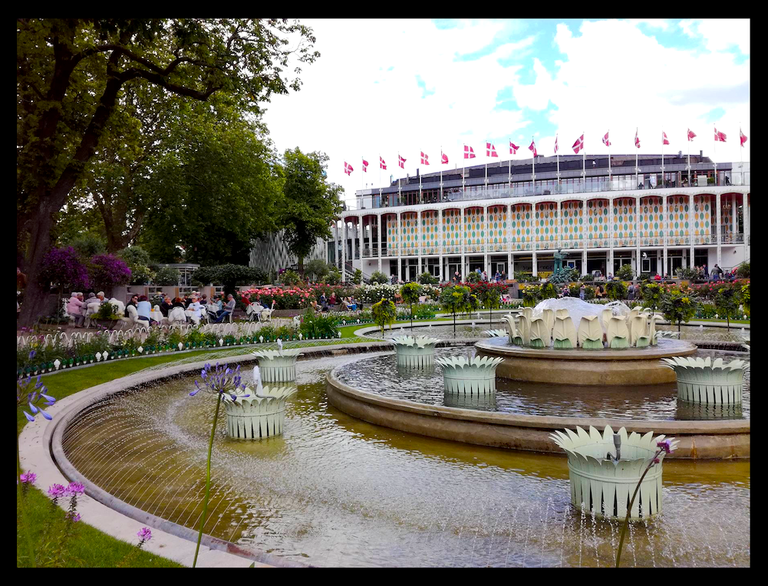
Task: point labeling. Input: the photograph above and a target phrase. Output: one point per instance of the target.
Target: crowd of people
(188, 308)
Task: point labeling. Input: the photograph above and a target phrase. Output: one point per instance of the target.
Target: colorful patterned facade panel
(624, 225)
(573, 223)
(497, 228)
(522, 226)
(651, 221)
(547, 224)
(598, 234)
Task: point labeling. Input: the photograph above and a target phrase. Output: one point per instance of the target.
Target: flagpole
(637, 169)
(510, 165)
(714, 150)
(583, 162)
(688, 137)
(533, 171)
(662, 158)
(609, 157)
(557, 155)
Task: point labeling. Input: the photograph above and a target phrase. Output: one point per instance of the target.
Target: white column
(665, 228)
(610, 236)
(361, 239)
(637, 235)
(510, 272)
(583, 237)
(745, 199)
(343, 250)
(399, 249)
(336, 257)
(534, 263)
(440, 241)
(462, 238)
(419, 233)
(690, 220)
(379, 238)
(719, 232)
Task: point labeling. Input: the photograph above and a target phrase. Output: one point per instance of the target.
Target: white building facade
(656, 214)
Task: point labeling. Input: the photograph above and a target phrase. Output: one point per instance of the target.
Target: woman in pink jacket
(75, 308)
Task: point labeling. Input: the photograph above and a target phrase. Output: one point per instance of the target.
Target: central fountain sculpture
(569, 341)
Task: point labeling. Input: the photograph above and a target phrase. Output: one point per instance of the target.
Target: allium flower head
(56, 490)
(75, 488)
(28, 478)
(144, 534)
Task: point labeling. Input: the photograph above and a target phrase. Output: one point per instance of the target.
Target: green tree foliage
(229, 276)
(616, 290)
(426, 278)
(727, 301)
(138, 261)
(651, 293)
(457, 299)
(217, 191)
(317, 269)
(378, 278)
(71, 77)
(384, 313)
(677, 307)
(310, 203)
(625, 272)
(410, 293)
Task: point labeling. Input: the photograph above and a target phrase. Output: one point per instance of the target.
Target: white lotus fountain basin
(604, 477)
(415, 351)
(707, 381)
(278, 365)
(469, 376)
(259, 415)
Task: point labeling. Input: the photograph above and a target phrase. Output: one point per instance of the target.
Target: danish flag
(443, 158)
(555, 144)
(469, 153)
(664, 139)
(348, 168)
(742, 137)
(719, 136)
(424, 159)
(490, 150)
(365, 166)
(637, 140)
(532, 148)
(578, 145)
(382, 164)
(691, 135)
(606, 140)
(513, 148)
(401, 161)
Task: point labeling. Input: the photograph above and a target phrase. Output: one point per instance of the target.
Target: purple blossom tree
(108, 271)
(64, 268)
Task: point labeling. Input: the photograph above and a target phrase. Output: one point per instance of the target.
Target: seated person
(144, 309)
(133, 302)
(76, 308)
(349, 304)
(176, 314)
(229, 309)
(166, 306)
(196, 309)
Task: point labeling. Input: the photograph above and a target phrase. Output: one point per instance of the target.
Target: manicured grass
(86, 548)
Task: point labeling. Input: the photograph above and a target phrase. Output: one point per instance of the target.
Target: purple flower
(145, 534)
(74, 517)
(665, 445)
(28, 477)
(75, 488)
(56, 490)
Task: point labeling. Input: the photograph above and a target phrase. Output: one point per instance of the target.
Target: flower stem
(21, 498)
(629, 510)
(207, 480)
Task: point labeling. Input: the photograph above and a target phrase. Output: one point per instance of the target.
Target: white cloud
(363, 96)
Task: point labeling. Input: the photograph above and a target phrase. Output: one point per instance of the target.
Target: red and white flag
(555, 144)
(578, 145)
(691, 135)
(348, 168)
(443, 158)
(637, 140)
(424, 159)
(606, 140)
(365, 166)
(742, 137)
(719, 136)
(382, 164)
(401, 161)
(513, 148)
(664, 139)
(532, 148)
(490, 150)
(468, 152)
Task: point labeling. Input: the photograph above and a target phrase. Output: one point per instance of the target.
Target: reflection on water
(380, 375)
(336, 491)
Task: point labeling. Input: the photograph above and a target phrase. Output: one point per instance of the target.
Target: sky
(389, 88)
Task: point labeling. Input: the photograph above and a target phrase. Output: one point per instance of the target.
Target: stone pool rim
(700, 440)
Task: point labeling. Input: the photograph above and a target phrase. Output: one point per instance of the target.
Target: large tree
(310, 203)
(70, 76)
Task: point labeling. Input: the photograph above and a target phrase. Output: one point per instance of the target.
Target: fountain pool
(336, 491)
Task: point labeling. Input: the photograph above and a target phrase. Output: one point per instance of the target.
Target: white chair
(133, 315)
(253, 311)
(92, 309)
(176, 316)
